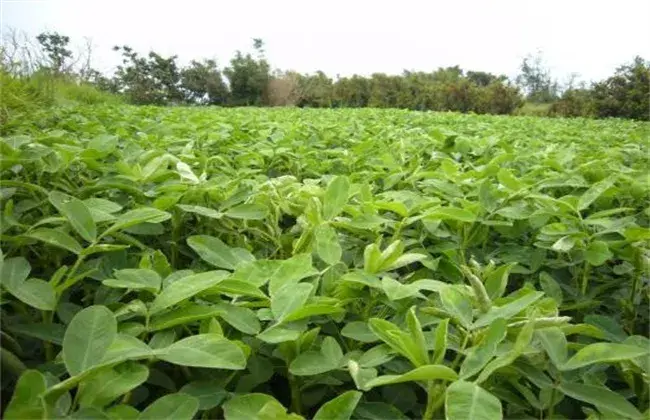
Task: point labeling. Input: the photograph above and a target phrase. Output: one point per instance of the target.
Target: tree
(203, 83)
(535, 79)
(249, 77)
(627, 93)
(148, 80)
(55, 46)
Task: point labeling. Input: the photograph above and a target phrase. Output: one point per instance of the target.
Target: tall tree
(249, 77)
(535, 79)
(56, 48)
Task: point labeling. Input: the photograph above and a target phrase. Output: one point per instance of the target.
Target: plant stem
(296, 405)
(428, 413)
(585, 278)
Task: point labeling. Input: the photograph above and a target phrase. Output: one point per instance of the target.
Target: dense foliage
(255, 263)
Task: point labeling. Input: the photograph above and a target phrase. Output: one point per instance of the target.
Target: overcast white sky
(344, 37)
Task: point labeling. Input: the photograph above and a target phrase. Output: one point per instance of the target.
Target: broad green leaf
(554, 342)
(452, 213)
(497, 280)
(281, 333)
(521, 343)
(359, 331)
(57, 238)
(397, 291)
(598, 253)
(242, 318)
(209, 393)
(564, 244)
(376, 356)
(77, 214)
(290, 271)
(185, 288)
(467, 400)
(378, 411)
(204, 350)
(248, 406)
(478, 356)
(214, 251)
(247, 212)
(313, 309)
(25, 402)
(415, 330)
(339, 408)
(398, 340)
(186, 173)
(372, 258)
(122, 412)
(595, 191)
(440, 344)
(104, 387)
(316, 362)
(88, 413)
(601, 397)
(289, 299)
(135, 217)
(422, 373)
(171, 407)
(135, 278)
(402, 261)
(13, 272)
(88, 338)
(336, 195)
(52, 333)
(327, 244)
(36, 293)
(203, 211)
(603, 353)
(551, 287)
(457, 304)
(508, 310)
(183, 315)
(236, 288)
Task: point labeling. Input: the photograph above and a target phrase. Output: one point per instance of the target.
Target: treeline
(248, 80)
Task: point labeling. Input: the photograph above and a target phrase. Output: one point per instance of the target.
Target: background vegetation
(47, 71)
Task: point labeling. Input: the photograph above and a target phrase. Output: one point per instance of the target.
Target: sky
(345, 37)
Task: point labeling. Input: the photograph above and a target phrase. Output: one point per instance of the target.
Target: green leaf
(457, 304)
(398, 340)
(171, 407)
(135, 278)
(57, 238)
(313, 309)
(281, 333)
(106, 386)
(247, 212)
(339, 408)
(397, 291)
(236, 288)
(603, 353)
(415, 330)
(451, 213)
(422, 373)
(126, 347)
(598, 253)
(209, 393)
(551, 287)
(376, 356)
(52, 333)
(137, 216)
(327, 244)
(378, 411)
(13, 272)
(595, 191)
(87, 338)
(122, 412)
(289, 299)
(215, 252)
(601, 397)
(316, 362)
(183, 315)
(467, 400)
(402, 261)
(77, 214)
(250, 406)
(243, 319)
(497, 280)
(204, 350)
(564, 244)
(336, 195)
(290, 271)
(36, 293)
(26, 402)
(440, 344)
(554, 342)
(478, 356)
(185, 288)
(508, 310)
(359, 331)
(203, 211)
